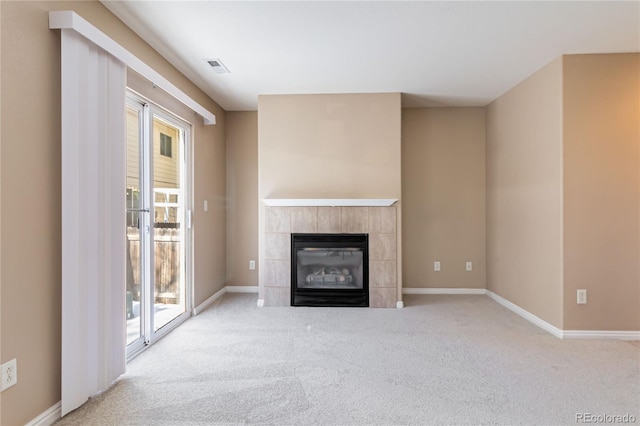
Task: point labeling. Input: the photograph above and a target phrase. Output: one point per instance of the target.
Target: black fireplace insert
(330, 270)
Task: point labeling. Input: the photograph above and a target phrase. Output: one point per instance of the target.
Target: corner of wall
(242, 197)
(524, 194)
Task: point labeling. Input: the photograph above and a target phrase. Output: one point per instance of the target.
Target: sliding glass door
(158, 225)
(169, 219)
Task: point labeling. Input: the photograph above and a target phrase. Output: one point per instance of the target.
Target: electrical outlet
(469, 266)
(582, 297)
(252, 264)
(9, 374)
(436, 265)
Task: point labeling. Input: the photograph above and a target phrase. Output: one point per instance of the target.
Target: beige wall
(209, 228)
(242, 197)
(329, 146)
(443, 196)
(602, 191)
(524, 194)
(30, 190)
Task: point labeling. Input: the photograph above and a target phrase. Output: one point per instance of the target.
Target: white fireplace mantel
(329, 202)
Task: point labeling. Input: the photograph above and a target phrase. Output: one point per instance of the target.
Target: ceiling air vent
(217, 66)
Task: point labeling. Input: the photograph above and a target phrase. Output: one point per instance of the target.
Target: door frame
(150, 110)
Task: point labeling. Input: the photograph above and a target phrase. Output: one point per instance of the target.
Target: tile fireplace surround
(376, 217)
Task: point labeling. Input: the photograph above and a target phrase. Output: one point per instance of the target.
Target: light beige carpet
(441, 360)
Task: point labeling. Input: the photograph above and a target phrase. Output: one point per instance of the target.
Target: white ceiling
(435, 53)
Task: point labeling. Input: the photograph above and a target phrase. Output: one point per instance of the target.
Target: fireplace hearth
(330, 270)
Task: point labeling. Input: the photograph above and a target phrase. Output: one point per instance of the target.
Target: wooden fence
(167, 264)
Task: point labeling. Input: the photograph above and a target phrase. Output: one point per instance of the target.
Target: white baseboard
(201, 307)
(49, 417)
(537, 321)
(565, 334)
(504, 302)
(227, 289)
(242, 289)
(416, 290)
(601, 334)
(526, 315)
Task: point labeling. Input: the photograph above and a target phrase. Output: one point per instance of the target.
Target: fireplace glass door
(330, 270)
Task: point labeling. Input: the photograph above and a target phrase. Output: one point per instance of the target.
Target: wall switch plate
(469, 266)
(582, 297)
(252, 264)
(9, 374)
(206, 206)
(436, 265)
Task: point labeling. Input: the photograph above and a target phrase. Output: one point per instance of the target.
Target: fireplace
(375, 219)
(330, 270)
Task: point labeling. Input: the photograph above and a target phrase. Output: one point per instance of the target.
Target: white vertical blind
(93, 219)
